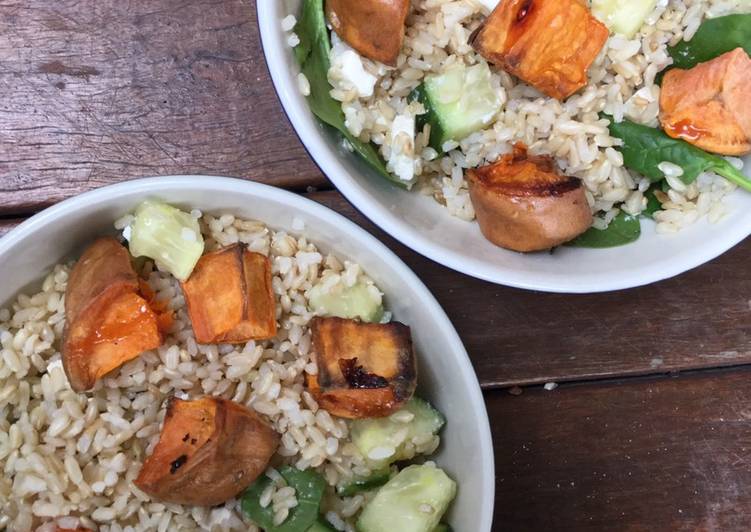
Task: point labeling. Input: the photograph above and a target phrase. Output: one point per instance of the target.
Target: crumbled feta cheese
(126, 233)
(348, 68)
(402, 159)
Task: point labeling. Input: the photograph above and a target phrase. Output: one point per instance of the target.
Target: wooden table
(650, 425)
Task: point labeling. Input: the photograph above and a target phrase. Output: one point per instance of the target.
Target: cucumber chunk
(412, 501)
(458, 102)
(357, 301)
(167, 235)
(623, 16)
(385, 440)
(443, 527)
(359, 484)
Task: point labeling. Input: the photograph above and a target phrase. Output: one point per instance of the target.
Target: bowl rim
(156, 185)
(324, 156)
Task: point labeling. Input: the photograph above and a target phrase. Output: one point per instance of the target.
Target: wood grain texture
(643, 455)
(99, 92)
(516, 337)
(8, 224)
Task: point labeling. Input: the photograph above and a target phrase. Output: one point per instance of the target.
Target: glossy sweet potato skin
(549, 44)
(375, 28)
(209, 450)
(708, 105)
(522, 203)
(107, 321)
(230, 298)
(364, 369)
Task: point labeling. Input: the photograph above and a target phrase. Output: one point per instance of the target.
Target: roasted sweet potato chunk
(375, 28)
(708, 105)
(107, 321)
(230, 298)
(364, 369)
(549, 44)
(523, 203)
(209, 450)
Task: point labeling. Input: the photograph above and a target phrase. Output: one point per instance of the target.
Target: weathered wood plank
(8, 224)
(697, 320)
(642, 455)
(99, 92)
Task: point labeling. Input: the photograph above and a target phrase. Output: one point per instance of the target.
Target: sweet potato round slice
(549, 44)
(209, 450)
(364, 369)
(707, 105)
(107, 321)
(375, 28)
(522, 203)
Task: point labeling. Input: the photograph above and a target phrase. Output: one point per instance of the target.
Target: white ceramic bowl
(446, 376)
(426, 227)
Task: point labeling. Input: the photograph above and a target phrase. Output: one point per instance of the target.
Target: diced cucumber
(443, 527)
(320, 526)
(458, 102)
(623, 16)
(412, 501)
(357, 301)
(359, 484)
(385, 440)
(167, 235)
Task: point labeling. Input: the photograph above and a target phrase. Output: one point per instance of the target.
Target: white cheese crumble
(348, 68)
(402, 159)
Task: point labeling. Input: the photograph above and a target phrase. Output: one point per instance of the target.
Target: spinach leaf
(623, 230)
(309, 487)
(653, 204)
(644, 148)
(313, 56)
(714, 37)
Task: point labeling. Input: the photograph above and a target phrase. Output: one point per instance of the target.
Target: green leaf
(313, 55)
(644, 148)
(309, 487)
(359, 484)
(653, 204)
(715, 37)
(623, 230)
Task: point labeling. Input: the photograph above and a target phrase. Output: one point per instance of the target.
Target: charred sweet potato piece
(708, 105)
(375, 28)
(209, 450)
(230, 298)
(522, 202)
(107, 322)
(549, 44)
(364, 369)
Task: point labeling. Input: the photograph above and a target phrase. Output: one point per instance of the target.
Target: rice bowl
(528, 117)
(40, 451)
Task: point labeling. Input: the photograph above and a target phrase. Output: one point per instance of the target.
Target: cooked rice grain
(621, 84)
(69, 454)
